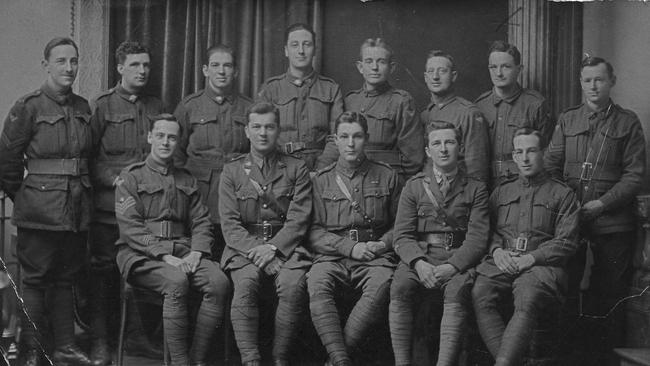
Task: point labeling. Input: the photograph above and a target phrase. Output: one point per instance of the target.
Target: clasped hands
(434, 276)
(187, 264)
(264, 256)
(368, 250)
(512, 264)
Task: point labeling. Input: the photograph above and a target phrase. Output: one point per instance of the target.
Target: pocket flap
(118, 117)
(149, 188)
(49, 118)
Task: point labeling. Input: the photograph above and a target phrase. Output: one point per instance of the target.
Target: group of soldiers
(313, 192)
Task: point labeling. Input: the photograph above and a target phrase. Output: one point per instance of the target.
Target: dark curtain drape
(179, 31)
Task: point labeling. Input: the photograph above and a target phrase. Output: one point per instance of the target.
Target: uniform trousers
(533, 291)
(174, 285)
(49, 261)
(404, 291)
(324, 281)
(291, 289)
(104, 275)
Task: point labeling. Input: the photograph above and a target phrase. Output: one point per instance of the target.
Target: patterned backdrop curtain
(179, 32)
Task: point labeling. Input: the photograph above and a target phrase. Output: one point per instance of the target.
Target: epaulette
(402, 92)
(509, 180)
(238, 157)
(245, 97)
(385, 165)
(325, 78)
(134, 165)
(192, 96)
(274, 78)
(105, 93)
(326, 169)
(563, 183)
(464, 102)
(31, 95)
(572, 108)
(534, 93)
(484, 95)
(355, 91)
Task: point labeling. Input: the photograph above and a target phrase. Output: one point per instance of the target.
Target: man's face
(163, 139)
(350, 139)
(375, 65)
(528, 155)
(220, 70)
(439, 76)
(62, 66)
(596, 83)
(443, 149)
(263, 131)
(503, 71)
(300, 49)
(135, 71)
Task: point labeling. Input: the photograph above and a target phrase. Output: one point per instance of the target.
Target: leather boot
(100, 353)
(70, 355)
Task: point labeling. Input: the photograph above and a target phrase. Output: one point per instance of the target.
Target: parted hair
(352, 117)
(58, 41)
(376, 42)
(299, 26)
(595, 61)
(164, 117)
(129, 48)
(525, 131)
(263, 108)
(503, 46)
(442, 125)
(440, 53)
(219, 48)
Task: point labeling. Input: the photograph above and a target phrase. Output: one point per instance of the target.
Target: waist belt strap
(167, 229)
(390, 157)
(264, 230)
(608, 172)
(295, 146)
(358, 235)
(448, 240)
(74, 167)
(504, 168)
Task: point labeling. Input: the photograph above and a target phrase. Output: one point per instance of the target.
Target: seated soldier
(535, 221)
(165, 240)
(436, 244)
(265, 205)
(355, 200)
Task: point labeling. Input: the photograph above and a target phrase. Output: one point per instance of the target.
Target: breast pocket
(427, 218)
(337, 208)
(507, 211)
(205, 133)
(381, 127)
(284, 194)
(544, 215)
(83, 130)
(247, 199)
(120, 135)
(238, 135)
(377, 204)
(50, 134)
(150, 195)
(320, 110)
(576, 144)
(614, 145)
(185, 198)
(287, 105)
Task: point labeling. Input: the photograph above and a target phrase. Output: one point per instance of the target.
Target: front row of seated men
(441, 233)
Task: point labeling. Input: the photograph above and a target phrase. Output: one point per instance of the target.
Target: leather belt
(74, 167)
(391, 157)
(295, 146)
(448, 239)
(358, 235)
(504, 168)
(167, 229)
(265, 230)
(589, 171)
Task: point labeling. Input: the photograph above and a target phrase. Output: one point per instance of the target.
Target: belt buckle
(267, 230)
(587, 171)
(521, 244)
(288, 147)
(449, 241)
(165, 229)
(354, 235)
(70, 166)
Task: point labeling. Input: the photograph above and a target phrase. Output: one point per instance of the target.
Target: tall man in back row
(508, 107)
(120, 123)
(598, 148)
(309, 103)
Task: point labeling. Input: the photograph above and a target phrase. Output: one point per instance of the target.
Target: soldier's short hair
(164, 117)
(298, 26)
(352, 117)
(263, 108)
(442, 125)
(595, 61)
(129, 48)
(525, 131)
(376, 42)
(58, 41)
(503, 46)
(440, 53)
(219, 48)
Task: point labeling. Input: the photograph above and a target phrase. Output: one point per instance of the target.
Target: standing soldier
(50, 127)
(395, 136)
(436, 244)
(599, 149)
(535, 223)
(440, 76)
(120, 123)
(508, 107)
(355, 201)
(309, 103)
(164, 245)
(265, 209)
(213, 121)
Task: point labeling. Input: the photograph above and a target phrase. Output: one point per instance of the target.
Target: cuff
(163, 247)
(540, 259)
(345, 247)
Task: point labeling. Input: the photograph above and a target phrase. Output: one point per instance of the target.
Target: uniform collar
(163, 169)
(259, 160)
(535, 180)
(298, 82)
(344, 167)
(60, 98)
(510, 100)
(603, 112)
(448, 100)
(219, 99)
(132, 98)
(438, 174)
(379, 90)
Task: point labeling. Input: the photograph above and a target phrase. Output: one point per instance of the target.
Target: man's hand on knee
(505, 262)
(176, 262)
(426, 273)
(193, 259)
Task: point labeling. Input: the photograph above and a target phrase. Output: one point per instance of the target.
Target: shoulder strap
(355, 205)
(268, 197)
(436, 206)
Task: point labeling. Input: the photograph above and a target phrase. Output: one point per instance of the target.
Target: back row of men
(258, 206)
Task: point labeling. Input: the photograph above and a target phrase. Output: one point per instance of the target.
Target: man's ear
(393, 67)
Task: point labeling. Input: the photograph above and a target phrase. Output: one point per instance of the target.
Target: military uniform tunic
(525, 108)
(308, 109)
(283, 202)
(468, 119)
(375, 186)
